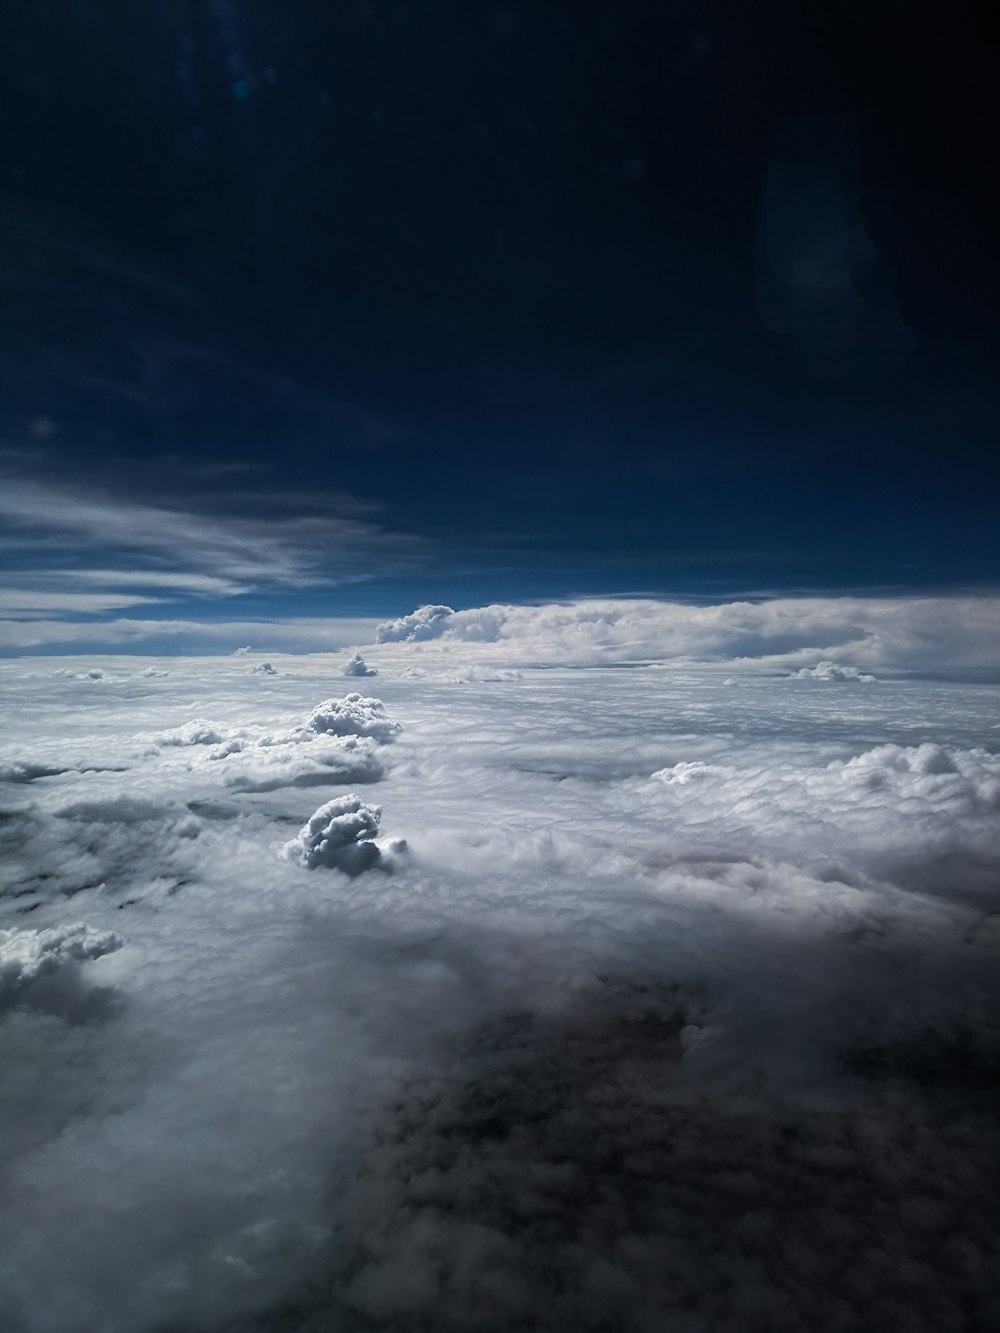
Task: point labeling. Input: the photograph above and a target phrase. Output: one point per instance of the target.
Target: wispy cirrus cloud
(73, 548)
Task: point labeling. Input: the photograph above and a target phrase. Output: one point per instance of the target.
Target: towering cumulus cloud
(338, 834)
(353, 715)
(427, 622)
(357, 666)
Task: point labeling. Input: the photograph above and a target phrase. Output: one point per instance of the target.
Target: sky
(328, 312)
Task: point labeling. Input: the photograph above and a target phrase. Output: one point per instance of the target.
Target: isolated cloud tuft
(357, 666)
(264, 669)
(353, 715)
(427, 622)
(339, 834)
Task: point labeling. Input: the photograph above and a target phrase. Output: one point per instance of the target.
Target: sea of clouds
(525, 995)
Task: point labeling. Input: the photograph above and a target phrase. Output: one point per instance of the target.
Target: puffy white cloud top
(339, 835)
(834, 671)
(353, 715)
(904, 632)
(427, 622)
(357, 666)
(26, 956)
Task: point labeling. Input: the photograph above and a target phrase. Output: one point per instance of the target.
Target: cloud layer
(828, 638)
(912, 632)
(680, 1010)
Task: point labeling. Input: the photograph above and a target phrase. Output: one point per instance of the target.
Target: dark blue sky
(466, 301)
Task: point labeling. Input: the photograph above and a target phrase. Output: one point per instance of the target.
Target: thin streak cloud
(175, 548)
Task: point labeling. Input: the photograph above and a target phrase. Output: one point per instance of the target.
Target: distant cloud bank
(827, 638)
(821, 638)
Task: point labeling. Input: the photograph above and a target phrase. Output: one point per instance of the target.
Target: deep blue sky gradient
(693, 298)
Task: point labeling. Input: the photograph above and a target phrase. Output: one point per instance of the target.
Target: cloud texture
(679, 1012)
(339, 834)
(816, 632)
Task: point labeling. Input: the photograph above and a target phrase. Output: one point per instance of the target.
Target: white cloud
(427, 622)
(340, 834)
(63, 542)
(834, 671)
(328, 760)
(196, 732)
(679, 1012)
(241, 552)
(901, 633)
(31, 961)
(353, 715)
(357, 666)
(28, 602)
(940, 634)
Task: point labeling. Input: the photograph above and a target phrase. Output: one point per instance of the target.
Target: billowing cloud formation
(338, 743)
(353, 715)
(286, 764)
(834, 671)
(427, 622)
(911, 632)
(196, 732)
(357, 666)
(30, 957)
(901, 811)
(338, 835)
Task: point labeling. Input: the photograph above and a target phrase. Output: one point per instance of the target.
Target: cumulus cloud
(263, 669)
(196, 732)
(357, 666)
(941, 633)
(333, 759)
(834, 671)
(32, 961)
(338, 835)
(339, 742)
(353, 715)
(427, 622)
